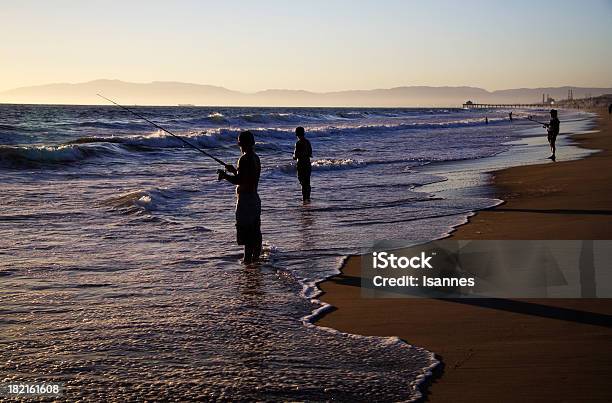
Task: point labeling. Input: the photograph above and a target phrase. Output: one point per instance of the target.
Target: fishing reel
(222, 173)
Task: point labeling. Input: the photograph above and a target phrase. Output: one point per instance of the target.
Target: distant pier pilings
(471, 105)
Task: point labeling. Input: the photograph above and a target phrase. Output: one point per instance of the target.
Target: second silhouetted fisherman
(303, 154)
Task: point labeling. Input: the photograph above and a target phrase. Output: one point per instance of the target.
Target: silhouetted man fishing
(303, 153)
(248, 204)
(553, 131)
(246, 179)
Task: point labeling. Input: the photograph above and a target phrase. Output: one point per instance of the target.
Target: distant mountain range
(173, 93)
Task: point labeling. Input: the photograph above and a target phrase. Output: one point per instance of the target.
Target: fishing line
(165, 130)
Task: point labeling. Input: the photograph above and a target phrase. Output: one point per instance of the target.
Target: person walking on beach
(248, 204)
(553, 130)
(510, 116)
(486, 120)
(303, 154)
(609, 111)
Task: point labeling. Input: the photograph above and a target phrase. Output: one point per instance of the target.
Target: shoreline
(534, 350)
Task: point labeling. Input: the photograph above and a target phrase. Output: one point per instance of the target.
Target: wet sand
(509, 350)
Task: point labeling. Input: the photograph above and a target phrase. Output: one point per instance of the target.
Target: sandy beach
(509, 350)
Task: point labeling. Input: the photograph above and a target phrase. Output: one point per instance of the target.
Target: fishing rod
(564, 121)
(536, 121)
(167, 131)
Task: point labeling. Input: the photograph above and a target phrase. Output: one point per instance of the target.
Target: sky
(312, 45)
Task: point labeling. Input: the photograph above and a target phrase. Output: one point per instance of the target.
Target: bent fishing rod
(167, 131)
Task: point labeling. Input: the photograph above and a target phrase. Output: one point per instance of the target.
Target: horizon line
(234, 106)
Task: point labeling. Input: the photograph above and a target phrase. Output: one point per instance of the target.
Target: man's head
(246, 140)
(553, 113)
(299, 131)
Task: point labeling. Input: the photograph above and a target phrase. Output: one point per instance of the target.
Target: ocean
(119, 271)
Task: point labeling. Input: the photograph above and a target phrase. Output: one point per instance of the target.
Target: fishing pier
(472, 105)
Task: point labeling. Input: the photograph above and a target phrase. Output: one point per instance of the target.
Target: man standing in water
(248, 204)
(303, 153)
(553, 131)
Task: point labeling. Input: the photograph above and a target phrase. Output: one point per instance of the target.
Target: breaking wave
(223, 137)
(83, 148)
(33, 156)
(325, 165)
(138, 201)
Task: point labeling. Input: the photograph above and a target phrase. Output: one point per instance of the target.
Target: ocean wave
(328, 164)
(217, 117)
(89, 140)
(351, 115)
(270, 117)
(100, 124)
(214, 118)
(275, 139)
(160, 139)
(290, 116)
(33, 156)
(267, 139)
(206, 139)
(333, 164)
(138, 201)
(142, 202)
(223, 137)
(351, 130)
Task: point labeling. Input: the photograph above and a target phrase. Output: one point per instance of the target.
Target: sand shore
(509, 350)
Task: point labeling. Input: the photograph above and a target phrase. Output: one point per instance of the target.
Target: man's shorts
(303, 173)
(248, 219)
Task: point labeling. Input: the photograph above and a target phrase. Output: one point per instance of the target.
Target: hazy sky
(313, 45)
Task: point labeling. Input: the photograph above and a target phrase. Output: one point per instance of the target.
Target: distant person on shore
(303, 154)
(553, 130)
(609, 111)
(486, 120)
(248, 204)
(510, 116)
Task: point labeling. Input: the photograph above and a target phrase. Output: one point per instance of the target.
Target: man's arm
(233, 179)
(241, 176)
(235, 176)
